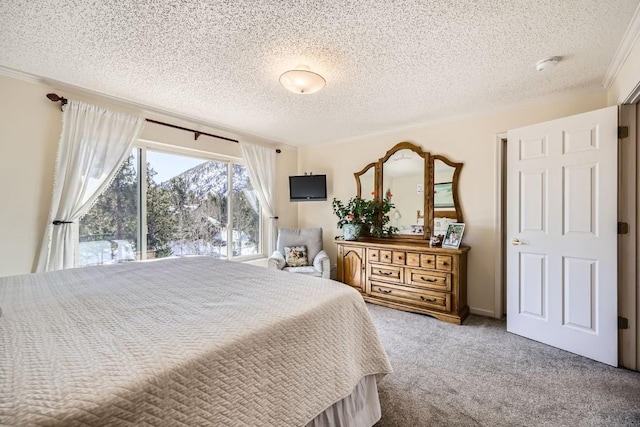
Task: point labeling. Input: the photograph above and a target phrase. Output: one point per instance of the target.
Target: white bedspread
(189, 342)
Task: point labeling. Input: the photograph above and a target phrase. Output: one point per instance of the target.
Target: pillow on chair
(309, 237)
(296, 256)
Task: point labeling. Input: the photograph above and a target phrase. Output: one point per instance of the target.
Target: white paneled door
(562, 233)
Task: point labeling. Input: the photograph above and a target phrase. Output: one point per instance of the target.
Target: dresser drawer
(373, 254)
(429, 279)
(398, 257)
(427, 261)
(413, 259)
(444, 262)
(385, 256)
(432, 300)
(388, 273)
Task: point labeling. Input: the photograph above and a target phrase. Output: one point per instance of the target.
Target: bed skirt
(359, 409)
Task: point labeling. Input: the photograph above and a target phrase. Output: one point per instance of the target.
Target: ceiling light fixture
(303, 82)
(547, 63)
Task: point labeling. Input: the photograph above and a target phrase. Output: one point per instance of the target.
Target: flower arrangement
(356, 211)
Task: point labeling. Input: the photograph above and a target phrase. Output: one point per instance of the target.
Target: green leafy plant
(373, 216)
(381, 227)
(355, 211)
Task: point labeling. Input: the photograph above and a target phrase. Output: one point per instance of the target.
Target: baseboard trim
(481, 312)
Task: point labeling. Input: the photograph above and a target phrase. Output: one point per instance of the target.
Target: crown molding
(19, 75)
(629, 40)
(634, 96)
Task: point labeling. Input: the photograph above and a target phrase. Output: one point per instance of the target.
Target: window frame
(142, 145)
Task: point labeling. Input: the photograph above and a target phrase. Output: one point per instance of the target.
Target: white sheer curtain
(93, 145)
(261, 165)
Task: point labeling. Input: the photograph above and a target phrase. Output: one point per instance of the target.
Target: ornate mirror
(424, 189)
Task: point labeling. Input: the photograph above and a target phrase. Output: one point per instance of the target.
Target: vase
(351, 231)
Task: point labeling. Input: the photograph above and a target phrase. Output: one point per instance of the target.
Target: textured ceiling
(388, 64)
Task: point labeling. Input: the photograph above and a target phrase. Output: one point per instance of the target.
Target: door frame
(628, 338)
(628, 287)
(500, 283)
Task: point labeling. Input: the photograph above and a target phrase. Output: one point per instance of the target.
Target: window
(245, 214)
(185, 208)
(109, 231)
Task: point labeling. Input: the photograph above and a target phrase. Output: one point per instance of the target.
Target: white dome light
(302, 81)
(545, 64)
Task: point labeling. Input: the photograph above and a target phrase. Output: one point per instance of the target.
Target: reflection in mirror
(446, 207)
(367, 181)
(442, 187)
(445, 210)
(403, 177)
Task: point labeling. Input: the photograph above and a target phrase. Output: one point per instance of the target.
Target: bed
(190, 342)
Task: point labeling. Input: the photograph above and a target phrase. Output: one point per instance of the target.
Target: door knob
(516, 242)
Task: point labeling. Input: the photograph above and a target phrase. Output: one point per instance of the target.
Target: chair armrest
(322, 263)
(276, 261)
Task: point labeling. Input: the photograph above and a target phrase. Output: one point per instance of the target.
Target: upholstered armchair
(299, 250)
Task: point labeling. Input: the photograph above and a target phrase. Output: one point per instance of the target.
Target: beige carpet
(478, 374)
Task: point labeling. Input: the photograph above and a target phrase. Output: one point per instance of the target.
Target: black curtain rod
(196, 133)
(63, 101)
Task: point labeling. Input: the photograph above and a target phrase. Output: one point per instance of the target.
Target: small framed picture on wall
(453, 237)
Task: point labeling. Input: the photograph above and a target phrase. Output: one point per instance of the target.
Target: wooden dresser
(407, 276)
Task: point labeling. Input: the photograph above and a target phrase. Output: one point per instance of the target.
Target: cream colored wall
(29, 131)
(30, 127)
(469, 140)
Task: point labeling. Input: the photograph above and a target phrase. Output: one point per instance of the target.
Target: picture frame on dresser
(453, 237)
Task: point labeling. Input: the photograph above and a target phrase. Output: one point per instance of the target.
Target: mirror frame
(428, 202)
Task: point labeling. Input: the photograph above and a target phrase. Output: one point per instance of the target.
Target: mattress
(192, 341)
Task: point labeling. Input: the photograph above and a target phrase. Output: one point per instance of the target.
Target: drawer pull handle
(445, 263)
(428, 299)
(385, 291)
(385, 273)
(427, 279)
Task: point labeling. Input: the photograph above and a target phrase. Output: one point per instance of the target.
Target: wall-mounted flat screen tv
(307, 188)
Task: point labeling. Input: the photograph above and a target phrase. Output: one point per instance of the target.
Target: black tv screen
(307, 187)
